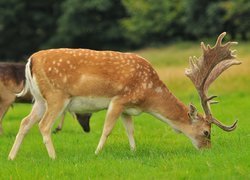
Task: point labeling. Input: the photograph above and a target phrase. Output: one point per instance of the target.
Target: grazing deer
(12, 76)
(82, 80)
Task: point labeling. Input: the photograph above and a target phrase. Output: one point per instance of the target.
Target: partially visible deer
(82, 80)
(12, 76)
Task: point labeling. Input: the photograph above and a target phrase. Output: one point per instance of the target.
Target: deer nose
(204, 145)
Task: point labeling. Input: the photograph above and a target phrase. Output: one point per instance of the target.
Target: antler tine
(210, 98)
(209, 47)
(233, 53)
(224, 127)
(203, 47)
(191, 62)
(213, 102)
(229, 44)
(219, 40)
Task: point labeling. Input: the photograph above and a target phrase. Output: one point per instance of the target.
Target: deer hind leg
(83, 120)
(128, 123)
(6, 102)
(35, 115)
(54, 109)
(3, 109)
(60, 125)
(114, 111)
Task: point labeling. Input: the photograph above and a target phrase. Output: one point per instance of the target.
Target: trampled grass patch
(160, 154)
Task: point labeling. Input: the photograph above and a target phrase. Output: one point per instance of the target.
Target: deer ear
(192, 112)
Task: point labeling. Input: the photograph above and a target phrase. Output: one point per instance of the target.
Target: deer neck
(170, 109)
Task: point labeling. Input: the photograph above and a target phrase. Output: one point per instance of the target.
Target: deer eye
(206, 133)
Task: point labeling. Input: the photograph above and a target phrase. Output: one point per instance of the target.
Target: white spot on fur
(158, 89)
(132, 69)
(120, 86)
(126, 88)
(65, 79)
(150, 84)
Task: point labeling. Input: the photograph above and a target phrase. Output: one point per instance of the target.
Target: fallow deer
(82, 80)
(12, 76)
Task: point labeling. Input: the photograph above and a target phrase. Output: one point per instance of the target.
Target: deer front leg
(26, 124)
(114, 111)
(128, 123)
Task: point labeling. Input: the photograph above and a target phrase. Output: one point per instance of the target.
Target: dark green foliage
(152, 21)
(202, 18)
(237, 18)
(30, 25)
(91, 24)
(25, 25)
(208, 18)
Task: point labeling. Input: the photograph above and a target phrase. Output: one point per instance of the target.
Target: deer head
(202, 72)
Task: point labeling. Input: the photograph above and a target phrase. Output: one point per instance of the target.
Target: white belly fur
(88, 104)
(132, 111)
(93, 104)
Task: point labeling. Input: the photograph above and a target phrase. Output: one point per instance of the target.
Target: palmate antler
(204, 70)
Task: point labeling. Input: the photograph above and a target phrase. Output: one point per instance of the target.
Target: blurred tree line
(30, 25)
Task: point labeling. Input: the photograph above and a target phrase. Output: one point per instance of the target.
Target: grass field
(161, 153)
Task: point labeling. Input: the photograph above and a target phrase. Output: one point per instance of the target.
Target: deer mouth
(204, 145)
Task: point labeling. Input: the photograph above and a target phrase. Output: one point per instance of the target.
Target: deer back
(82, 72)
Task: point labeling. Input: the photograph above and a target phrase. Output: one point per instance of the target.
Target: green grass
(161, 153)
